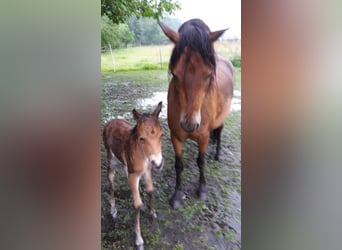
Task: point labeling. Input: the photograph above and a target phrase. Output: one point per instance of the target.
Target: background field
(157, 56)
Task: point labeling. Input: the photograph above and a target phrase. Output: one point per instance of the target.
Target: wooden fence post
(160, 56)
(111, 52)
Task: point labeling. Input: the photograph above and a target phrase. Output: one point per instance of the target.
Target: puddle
(147, 103)
(162, 96)
(236, 101)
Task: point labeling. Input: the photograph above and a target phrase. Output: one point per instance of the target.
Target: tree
(118, 11)
(147, 31)
(117, 35)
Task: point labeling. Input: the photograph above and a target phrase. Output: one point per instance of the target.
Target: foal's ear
(157, 110)
(170, 33)
(136, 114)
(213, 36)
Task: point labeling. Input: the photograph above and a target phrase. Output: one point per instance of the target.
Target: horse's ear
(136, 114)
(158, 109)
(170, 33)
(213, 36)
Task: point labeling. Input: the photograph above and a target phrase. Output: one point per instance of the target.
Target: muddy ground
(214, 224)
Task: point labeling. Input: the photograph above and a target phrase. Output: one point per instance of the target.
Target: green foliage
(120, 10)
(147, 31)
(179, 246)
(117, 35)
(236, 62)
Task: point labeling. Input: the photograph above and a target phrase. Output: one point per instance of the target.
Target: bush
(236, 62)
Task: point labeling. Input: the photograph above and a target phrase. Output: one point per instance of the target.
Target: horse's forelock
(194, 35)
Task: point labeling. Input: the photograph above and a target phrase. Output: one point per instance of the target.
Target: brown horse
(139, 149)
(199, 95)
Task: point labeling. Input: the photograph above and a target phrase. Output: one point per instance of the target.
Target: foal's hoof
(140, 247)
(113, 212)
(176, 199)
(153, 214)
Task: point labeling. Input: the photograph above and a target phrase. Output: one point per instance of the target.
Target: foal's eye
(142, 140)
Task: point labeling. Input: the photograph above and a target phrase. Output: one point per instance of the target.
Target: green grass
(137, 58)
(139, 77)
(157, 57)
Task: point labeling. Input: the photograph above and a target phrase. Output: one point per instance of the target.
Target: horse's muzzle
(190, 123)
(189, 127)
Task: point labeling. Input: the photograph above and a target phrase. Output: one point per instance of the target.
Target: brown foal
(140, 150)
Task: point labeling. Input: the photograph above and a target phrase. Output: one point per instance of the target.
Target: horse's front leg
(202, 148)
(133, 180)
(149, 190)
(178, 194)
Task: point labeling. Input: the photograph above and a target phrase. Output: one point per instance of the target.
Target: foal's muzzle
(157, 167)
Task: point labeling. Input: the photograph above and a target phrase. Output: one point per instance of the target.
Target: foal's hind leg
(110, 176)
(217, 140)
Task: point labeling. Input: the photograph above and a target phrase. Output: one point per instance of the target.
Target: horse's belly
(221, 117)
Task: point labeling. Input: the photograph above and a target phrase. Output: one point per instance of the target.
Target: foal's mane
(194, 34)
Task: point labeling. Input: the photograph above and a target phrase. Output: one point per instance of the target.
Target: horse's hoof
(113, 212)
(176, 199)
(174, 203)
(203, 196)
(217, 157)
(202, 193)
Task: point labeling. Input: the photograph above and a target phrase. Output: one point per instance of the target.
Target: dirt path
(214, 224)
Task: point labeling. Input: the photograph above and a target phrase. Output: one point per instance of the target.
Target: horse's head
(149, 136)
(192, 65)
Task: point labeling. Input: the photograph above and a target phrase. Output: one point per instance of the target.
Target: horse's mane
(194, 35)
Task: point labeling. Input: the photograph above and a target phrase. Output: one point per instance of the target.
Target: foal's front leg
(149, 190)
(133, 180)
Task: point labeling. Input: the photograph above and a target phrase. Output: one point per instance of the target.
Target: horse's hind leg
(217, 139)
(202, 147)
(111, 175)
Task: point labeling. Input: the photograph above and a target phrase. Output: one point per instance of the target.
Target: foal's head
(192, 65)
(149, 136)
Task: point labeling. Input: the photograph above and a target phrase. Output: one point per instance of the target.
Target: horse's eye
(142, 140)
(208, 76)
